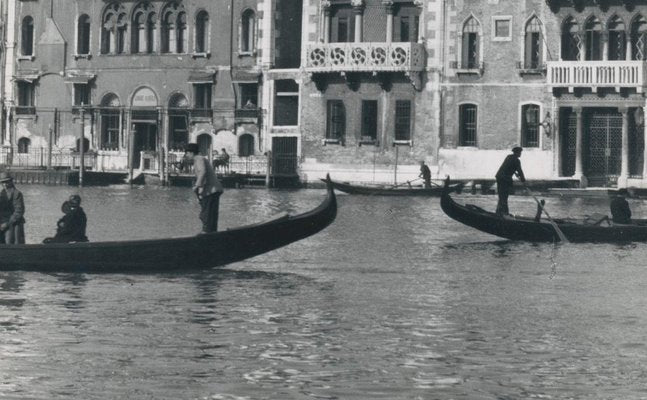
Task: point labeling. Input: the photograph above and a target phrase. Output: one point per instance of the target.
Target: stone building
(139, 78)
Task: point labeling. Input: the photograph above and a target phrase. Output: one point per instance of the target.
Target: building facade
(139, 79)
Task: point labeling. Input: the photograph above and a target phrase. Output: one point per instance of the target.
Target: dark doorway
(145, 140)
(284, 156)
(603, 146)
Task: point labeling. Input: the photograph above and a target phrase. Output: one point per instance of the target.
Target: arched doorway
(246, 145)
(144, 118)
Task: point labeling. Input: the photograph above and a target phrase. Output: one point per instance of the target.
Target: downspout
(441, 76)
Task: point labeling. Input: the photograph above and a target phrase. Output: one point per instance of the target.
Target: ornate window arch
(471, 43)
(113, 29)
(202, 32)
(174, 28)
(533, 44)
(617, 45)
(248, 31)
(571, 40)
(639, 38)
(144, 21)
(27, 36)
(593, 39)
(83, 35)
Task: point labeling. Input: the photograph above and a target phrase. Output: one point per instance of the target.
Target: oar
(404, 183)
(559, 232)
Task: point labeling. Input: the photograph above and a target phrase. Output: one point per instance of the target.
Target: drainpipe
(231, 62)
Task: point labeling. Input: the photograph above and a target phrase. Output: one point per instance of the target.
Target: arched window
(113, 29)
(530, 125)
(23, 145)
(246, 145)
(27, 36)
(639, 38)
(86, 145)
(83, 35)
(204, 145)
(174, 37)
(533, 51)
(593, 37)
(143, 32)
(571, 40)
(109, 116)
(178, 115)
(617, 39)
(248, 31)
(202, 32)
(467, 114)
(470, 44)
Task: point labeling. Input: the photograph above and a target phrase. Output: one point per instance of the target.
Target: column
(628, 48)
(358, 10)
(325, 38)
(581, 46)
(604, 38)
(579, 132)
(388, 4)
(624, 168)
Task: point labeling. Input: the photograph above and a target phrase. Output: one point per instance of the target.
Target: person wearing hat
(71, 227)
(12, 211)
(511, 166)
(207, 188)
(425, 174)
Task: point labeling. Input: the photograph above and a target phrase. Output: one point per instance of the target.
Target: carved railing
(368, 56)
(592, 74)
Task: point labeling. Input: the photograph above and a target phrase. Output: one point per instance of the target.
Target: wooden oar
(560, 234)
(404, 183)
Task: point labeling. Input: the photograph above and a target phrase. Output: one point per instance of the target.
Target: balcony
(365, 57)
(597, 74)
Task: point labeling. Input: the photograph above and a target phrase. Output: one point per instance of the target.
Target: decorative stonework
(367, 56)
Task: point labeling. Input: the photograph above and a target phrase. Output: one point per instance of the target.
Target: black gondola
(392, 190)
(527, 229)
(172, 254)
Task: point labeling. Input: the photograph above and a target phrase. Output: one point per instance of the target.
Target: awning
(201, 76)
(79, 78)
(245, 75)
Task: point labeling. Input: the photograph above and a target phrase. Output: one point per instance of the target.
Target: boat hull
(390, 191)
(173, 254)
(527, 229)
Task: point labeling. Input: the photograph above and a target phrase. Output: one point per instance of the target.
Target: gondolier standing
(207, 187)
(511, 166)
(12, 211)
(425, 174)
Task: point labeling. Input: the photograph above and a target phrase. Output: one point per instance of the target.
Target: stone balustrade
(365, 57)
(594, 74)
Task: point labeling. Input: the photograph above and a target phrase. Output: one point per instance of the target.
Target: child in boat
(71, 227)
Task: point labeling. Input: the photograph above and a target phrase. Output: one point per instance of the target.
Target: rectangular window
(530, 125)
(533, 50)
(336, 120)
(286, 103)
(109, 130)
(470, 58)
(178, 131)
(342, 27)
(501, 28)
(202, 92)
(25, 98)
(403, 120)
(248, 96)
(369, 120)
(406, 20)
(81, 94)
(467, 125)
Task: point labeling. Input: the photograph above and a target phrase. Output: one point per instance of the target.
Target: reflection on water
(393, 301)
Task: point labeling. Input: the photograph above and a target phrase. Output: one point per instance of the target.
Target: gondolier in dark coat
(12, 211)
(620, 211)
(71, 227)
(207, 188)
(511, 166)
(425, 174)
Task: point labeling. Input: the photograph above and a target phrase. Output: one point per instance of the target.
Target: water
(393, 301)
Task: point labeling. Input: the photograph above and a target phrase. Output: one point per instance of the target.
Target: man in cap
(425, 174)
(71, 227)
(511, 166)
(207, 188)
(12, 211)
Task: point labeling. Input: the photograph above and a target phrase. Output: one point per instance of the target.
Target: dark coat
(12, 207)
(71, 227)
(620, 211)
(511, 166)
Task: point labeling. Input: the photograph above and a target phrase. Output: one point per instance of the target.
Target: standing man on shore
(207, 188)
(12, 211)
(511, 166)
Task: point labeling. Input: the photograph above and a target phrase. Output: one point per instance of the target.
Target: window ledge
(82, 56)
(25, 58)
(403, 143)
(246, 53)
(201, 55)
(26, 116)
(368, 141)
(532, 71)
(107, 152)
(328, 141)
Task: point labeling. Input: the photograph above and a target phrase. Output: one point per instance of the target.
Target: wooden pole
(82, 146)
(395, 169)
(268, 170)
(131, 153)
(49, 147)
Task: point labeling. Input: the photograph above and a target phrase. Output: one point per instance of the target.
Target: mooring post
(82, 146)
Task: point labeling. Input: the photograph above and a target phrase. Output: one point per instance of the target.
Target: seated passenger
(71, 227)
(620, 211)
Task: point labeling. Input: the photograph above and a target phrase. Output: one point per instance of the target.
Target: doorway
(145, 140)
(284, 156)
(603, 146)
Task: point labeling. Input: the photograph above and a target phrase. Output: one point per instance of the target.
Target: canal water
(393, 301)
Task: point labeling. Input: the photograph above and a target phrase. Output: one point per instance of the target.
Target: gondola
(172, 254)
(527, 229)
(385, 190)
